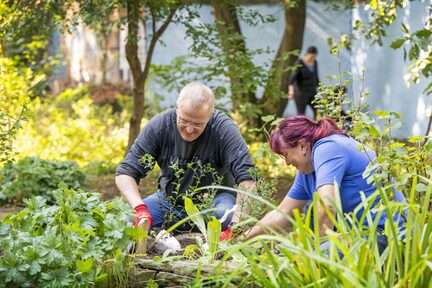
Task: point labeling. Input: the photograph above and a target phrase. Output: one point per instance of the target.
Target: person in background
(304, 82)
(192, 134)
(323, 155)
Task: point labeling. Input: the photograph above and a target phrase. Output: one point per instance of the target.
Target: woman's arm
(276, 219)
(327, 195)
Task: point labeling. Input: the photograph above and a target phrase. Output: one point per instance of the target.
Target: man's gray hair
(197, 95)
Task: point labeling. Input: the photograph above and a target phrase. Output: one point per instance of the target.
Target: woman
(323, 155)
(306, 80)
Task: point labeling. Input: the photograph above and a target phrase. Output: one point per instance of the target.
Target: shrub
(72, 127)
(33, 176)
(76, 242)
(15, 91)
(268, 163)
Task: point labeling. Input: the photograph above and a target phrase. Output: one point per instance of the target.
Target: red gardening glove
(230, 233)
(141, 212)
(225, 235)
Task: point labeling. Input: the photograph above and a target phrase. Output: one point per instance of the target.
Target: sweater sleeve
(235, 152)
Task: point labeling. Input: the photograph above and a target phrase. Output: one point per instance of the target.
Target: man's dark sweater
(220, 145)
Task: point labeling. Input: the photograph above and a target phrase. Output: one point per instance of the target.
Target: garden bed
(173, 274)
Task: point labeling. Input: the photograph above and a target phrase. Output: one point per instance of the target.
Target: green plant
(203, 199)
(16, 87)
(78, 241)
(211, 232)
(33, 176)
(265, 188)
(298, 259)
(71, 126)
(397, 162)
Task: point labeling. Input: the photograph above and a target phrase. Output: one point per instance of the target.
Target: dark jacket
(307, 81)
(220, 145)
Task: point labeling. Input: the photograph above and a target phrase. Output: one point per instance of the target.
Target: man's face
(191, 122)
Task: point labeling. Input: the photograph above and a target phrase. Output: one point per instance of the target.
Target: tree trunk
(229, 31)
(275, 98)
(140, 75)
(137, 73)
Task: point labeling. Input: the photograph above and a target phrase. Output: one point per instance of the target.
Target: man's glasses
(185, 123)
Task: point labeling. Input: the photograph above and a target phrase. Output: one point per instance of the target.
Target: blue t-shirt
(337, 158)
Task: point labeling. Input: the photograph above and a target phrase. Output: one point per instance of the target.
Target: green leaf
(414, 52)
(135, 233)
(420, 187)
(397, 43)
(380, 113)
(195, 215)
(267, 118)
(428, 89)
(423, 33)
(405, 29)
(85, 265)
(415, 139)
(213, 233)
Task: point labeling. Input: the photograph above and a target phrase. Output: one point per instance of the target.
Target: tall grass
(352, 259)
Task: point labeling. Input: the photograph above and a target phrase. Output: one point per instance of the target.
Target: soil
(184, 239)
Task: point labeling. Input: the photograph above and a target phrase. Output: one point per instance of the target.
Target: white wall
(384, 70)
(384, 67)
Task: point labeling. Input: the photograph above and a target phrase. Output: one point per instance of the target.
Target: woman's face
(300, 157)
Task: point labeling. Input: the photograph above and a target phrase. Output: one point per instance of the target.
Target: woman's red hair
(294, 128)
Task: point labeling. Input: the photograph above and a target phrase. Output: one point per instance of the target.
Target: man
(189, 136)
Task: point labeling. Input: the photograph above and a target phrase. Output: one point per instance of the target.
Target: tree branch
(155, 37)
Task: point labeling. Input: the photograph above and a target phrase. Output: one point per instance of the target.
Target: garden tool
(164, 241)
(143, 220)
(141, 246)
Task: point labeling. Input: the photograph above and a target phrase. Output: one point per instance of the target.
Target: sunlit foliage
(71, 127)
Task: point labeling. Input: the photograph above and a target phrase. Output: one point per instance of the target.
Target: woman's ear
(303, 145)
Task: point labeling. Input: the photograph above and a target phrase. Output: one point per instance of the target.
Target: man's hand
(142, 213)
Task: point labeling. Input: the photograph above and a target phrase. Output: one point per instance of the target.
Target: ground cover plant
(33, 176)
(79, 241)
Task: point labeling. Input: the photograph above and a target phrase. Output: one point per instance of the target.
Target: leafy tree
(157, 15)
(26, 29)
(222, 45)
(415, 44)
(24, 61)
(97, 13)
